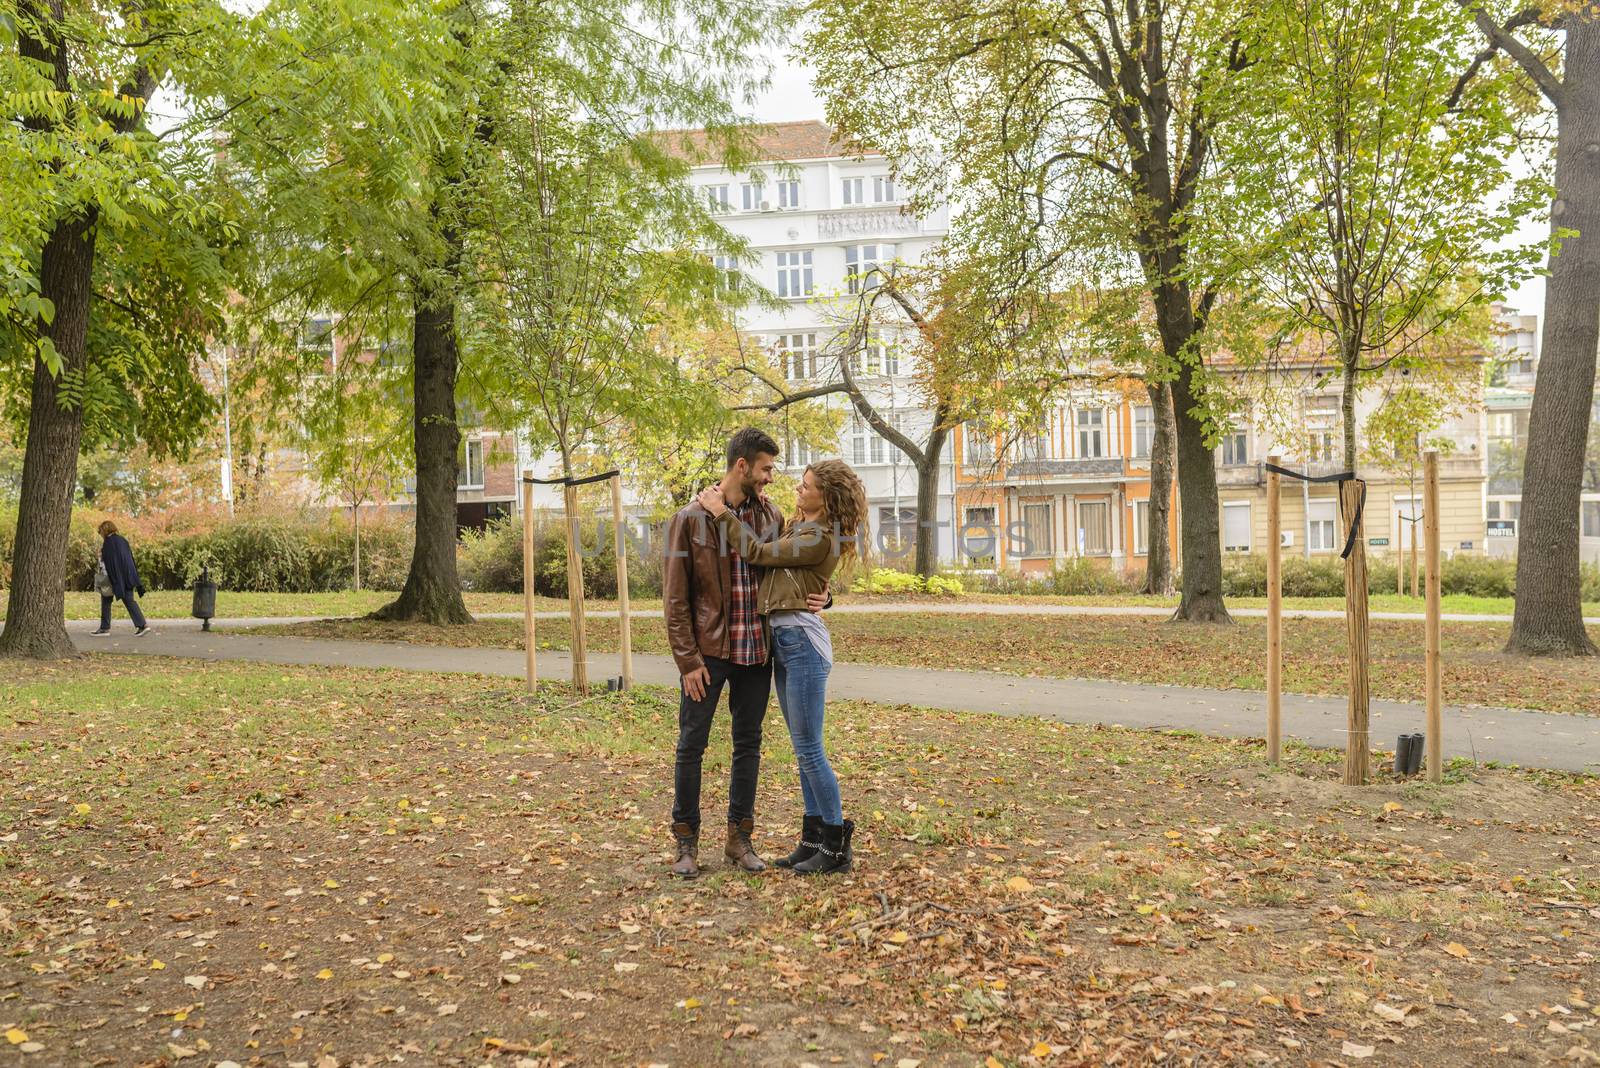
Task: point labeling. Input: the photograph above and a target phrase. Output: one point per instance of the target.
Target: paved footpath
(1514, 736)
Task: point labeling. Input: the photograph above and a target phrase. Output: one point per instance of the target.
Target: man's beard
(748, 487)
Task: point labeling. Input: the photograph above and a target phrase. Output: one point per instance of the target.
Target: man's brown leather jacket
(697, 582)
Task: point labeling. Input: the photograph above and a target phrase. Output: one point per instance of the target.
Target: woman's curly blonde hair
(844, 506)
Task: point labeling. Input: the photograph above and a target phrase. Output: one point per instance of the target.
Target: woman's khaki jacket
(798, 564)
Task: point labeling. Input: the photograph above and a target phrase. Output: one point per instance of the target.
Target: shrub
(1480, 576)
(491, 561)
(887, 580)
(1075, 576)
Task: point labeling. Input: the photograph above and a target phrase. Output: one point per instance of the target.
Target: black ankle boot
(834, 854)
(810, 840)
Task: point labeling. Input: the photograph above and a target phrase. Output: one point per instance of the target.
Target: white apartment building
(819, 218)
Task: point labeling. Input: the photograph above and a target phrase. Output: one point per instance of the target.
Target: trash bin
(205, 599)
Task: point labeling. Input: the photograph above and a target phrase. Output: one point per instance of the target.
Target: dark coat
(120, 569)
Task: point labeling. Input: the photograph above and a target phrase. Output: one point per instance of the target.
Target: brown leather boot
(739, 850)
(687, 866)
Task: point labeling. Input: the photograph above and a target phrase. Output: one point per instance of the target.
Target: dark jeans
(133, 610)
(748, 690)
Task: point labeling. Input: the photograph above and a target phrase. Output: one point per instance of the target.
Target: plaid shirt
(747, 639)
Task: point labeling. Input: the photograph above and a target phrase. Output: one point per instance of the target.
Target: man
(718, 640)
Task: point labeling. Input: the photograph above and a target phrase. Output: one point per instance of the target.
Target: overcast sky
(792, 98)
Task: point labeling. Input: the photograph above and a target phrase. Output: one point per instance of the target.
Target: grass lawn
(1129, 648)
(168, 604)
(204, 862)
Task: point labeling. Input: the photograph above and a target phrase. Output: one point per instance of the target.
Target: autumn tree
(1388, 199)
(110, 261)
(1065, 128)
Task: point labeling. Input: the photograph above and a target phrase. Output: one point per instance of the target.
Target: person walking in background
(117, 578)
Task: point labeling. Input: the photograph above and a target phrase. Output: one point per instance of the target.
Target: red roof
(774, 141)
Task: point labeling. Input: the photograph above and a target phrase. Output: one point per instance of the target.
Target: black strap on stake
(569, 481)
(1341, 477)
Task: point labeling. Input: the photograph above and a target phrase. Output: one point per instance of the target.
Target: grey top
(812, 624)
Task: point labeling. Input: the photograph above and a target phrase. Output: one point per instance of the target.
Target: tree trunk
(432, 593)
(928, 503)
(1548, 619)
(1199, 512)
(1163, 457)
(36, 608)
(355, 515)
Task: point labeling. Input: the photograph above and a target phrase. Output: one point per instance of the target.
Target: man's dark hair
(749, 443)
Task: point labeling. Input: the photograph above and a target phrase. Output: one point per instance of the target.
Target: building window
(1091, 432)
(727, 272)
(1144, 431)
(794, 274)
(750, 196)
(1236, 527)
(1591, 519)
(1094, 528)
(1323, 526)
(469, 473)
(883, 189)
(863, 264)
(798, 453)
(866, 447)
(979, 535)
(1038, 529)
(1141, 527)
(719, 197)
(797, 355)
(853, 191)
(897, 531)
(977, 446)
(1235, 450)
(876, 357)
(789, 193)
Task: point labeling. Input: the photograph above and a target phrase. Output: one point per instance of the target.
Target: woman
(118, 578)
(829, 525)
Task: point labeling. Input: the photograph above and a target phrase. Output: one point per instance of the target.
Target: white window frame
(789, 193)
(896, 532)
(750, 194)
(721, 196)
(1236, 435)
(988, 522)
(1249, 536)
(1322, 525)
(1091, 424)
(866, 446)
(796, 278)
(1103, 509)
(1589, 506)
(728, 268)
(977, 448)
(883, 191)
(797, 356)
(465, 471)
(1144, 429)
(1141, 527)
(1405, 530)
(862, 262)
(853, 191)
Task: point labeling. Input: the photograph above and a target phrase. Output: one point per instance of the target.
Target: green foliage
(266, 553)
(1075, 576)
(491, 560)
(890, 581)
(1323, 576)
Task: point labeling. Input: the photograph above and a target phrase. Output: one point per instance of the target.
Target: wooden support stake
(1274, 614)
(1359, 709)
(625, 623)
(528, 578)
(579, 644)
(1400, 556)
(1430, 523)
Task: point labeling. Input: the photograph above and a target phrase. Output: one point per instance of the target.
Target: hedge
(289, 553)
(491, 560)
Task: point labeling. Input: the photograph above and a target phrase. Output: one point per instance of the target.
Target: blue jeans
(801, 676)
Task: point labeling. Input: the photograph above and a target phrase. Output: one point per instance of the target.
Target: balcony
(1097, 467)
